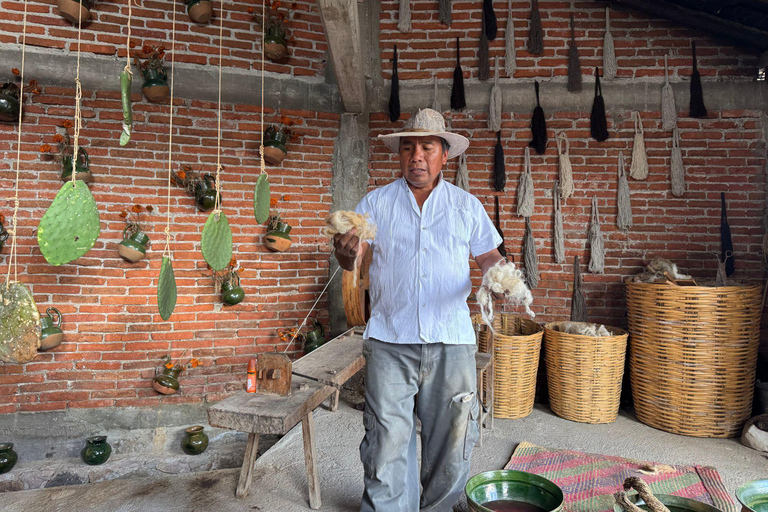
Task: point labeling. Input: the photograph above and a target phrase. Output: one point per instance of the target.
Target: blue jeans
(440, 381)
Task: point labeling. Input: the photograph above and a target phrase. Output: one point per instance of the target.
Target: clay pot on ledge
(232, 293)
(133, 247)
(82, 167)
(8, 457)
(275, 145)
(97, 450)
(200, 11)
(195, 441)
(275, 48)
(75, 11)
(167, 383)
(9, 102)
(277, 239)
(155, 87)
(51, 334)
(314, 339)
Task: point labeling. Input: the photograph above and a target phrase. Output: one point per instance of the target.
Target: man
(419, 342)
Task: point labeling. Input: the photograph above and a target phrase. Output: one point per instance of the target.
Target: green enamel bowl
(673, 503)
(754, 496)
(507, 484)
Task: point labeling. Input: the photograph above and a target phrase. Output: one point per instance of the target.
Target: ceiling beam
(342, 31)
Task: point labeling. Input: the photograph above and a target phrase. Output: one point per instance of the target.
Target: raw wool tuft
(677, 171)
(462, 174)
(444, 12)
(489, 19)
(503, 278)
(499, 167)
(436, 102)
(458, 101)
(538, 126)
(654, 272)
(668, 108)
(574, 64)
(609, 53)
(558, 242)
(483, 66)
(596, 242)
(404, 16)
(566, 169)
(342, 221)
(494, 110)
(696, 105)
(510, 63)
(529, 256)
(624, 215)
(598, 124)
(525, 197)
(578, 304)
(584, 329)
(639, 168)
(394, 93)
(535, 33)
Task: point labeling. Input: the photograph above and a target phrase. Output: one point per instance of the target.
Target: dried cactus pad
(70, 227)
(19, 324)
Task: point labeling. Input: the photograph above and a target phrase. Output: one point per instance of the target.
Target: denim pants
(436, 383)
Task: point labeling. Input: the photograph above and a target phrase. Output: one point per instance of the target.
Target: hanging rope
(217, 207)
(78, 99)
(559, 240)
(596, 242)
(167, 249)
(677, 171)
(313, 308)
(509, 44)
(639, 168)
(668, 108)
(609, 52)
(624, 215)
(525, 199)
(263, 42)
(566, 169)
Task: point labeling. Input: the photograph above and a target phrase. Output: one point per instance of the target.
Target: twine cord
(78, 99)
(217, 207)
(167, 249)
(313, 307)
(263, 41)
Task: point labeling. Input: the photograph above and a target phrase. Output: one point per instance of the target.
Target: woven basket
(516, 348)
(693, 355)
(584, 373)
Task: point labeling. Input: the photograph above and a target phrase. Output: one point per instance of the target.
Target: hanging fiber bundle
(435, 102)
(499, 169)
(566, 170)
(509, 44)
(525, 189)
(457, 91)
(668, 108)
(529, 256)
(696, 106)
(574, 64)
(394, 93)
(489, 18)
(578, 304)
(538, 126)
(677, 171)
(598, 124)
(596, 242)
(404, 16)
(494, 110)
(444, 12)
(609, 53)
(558, 242)
(726, 245)
(624, 215)
(639, 167)
(536, 33)
(502, 250)
(483, 71)
(462, 174)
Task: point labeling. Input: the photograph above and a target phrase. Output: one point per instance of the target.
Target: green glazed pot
(200, 11)
(673, 503)
(195, 441)
(277, 239)
(205, 193)
(9, 103)
(167, 383)
(51, 334)
(275, 145)
(3, 236)
(507, 484)
(232, 293)
(753, 496)
(314, 339)
(155, 86)
(275, 48)
(96, 451)
(133, 247)
(82, 167)
(8, 457)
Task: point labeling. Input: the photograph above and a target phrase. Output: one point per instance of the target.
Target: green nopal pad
(19, 324)
(166, 289)
(71, 226)
(261, 199)
(216, 242)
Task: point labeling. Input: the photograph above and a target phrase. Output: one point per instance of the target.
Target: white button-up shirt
(419, 271)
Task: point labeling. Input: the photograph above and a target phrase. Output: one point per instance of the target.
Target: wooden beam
(342, 30)
(707, 23)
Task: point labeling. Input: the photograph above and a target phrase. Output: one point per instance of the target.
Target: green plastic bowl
(673, 503)
(507, 484)
(754, 496)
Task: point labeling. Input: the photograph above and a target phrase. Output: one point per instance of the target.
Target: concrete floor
(279, 482)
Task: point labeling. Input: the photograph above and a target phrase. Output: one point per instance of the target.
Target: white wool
(342, 221)
(404, 16)
(503, 278)
(593, 330)
(639, 168)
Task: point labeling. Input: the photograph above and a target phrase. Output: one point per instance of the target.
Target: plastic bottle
(250, 385)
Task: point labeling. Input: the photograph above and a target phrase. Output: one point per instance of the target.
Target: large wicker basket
(693, 355)
(516, 349)
(584, 373)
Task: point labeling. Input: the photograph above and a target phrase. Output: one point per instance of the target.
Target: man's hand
(347, 248)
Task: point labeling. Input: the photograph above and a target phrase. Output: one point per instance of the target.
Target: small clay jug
(232, 293)
(3, 236)
(195, 441)
(134, 246)
(51, 335)
(9, 102)
(8, 457)
(74, 11)
(278, 240)
(200, 11)
(205, 193)
(314, 338)
(167, 383)
(275, 145)
(82, 167)
(155, 87)
(96, 451)
(275, 48)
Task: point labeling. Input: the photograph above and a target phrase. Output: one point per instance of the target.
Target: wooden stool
(483, 364)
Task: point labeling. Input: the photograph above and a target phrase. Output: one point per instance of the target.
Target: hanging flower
(67, 123)
(58, 138)
(16, 72)
(272, 202)
(45, 148)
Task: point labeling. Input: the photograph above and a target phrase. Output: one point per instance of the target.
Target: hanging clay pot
(232, 293)
(275, 48)
(82, 167)
(8, 457)
(75, 11)
(278, 240)
(133, 247)
(51, 335)
(195, 441)
(167, 383)
(274, 145)
(314, 339)
(205, 193)
(155, 87)
(97, 450)
(3, 236)
(9, 103)
(200, 11)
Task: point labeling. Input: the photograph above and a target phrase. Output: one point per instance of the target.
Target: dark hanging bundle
(502, 250)
(598, 124)
(457, 91)
(574, 65)
(578, 304)
(536, 33)
(394, 94)
(538, 126)
(696, 107)
(483, 71)
(499, 169)
(489, 19)
(726, 245)
(444, 12)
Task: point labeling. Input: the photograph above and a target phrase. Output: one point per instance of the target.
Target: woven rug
(588, 481)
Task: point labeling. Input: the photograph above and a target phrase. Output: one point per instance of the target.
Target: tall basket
(693, 356)
(516, 348)
(584, 373)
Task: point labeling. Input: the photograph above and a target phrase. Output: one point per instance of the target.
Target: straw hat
(424, 123)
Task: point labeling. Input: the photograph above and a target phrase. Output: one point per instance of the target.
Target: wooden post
(246, 472)
(334, 405)
(310, 460)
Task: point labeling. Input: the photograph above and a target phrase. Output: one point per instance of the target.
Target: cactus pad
(216, 242)
(166, 289)
(261, 199)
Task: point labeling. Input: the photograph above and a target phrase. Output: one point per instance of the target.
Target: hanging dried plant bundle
(677, 171)
(529, 256)
(558, 242)
(462, 174)
(499, 168)
(536, 33)
(696, 106)
(574, 64)
(509, 44)
(404, 16)
(435, 102)
(668, 108)
(596, 242)
(566, 170)
(624, 215)
(525, 196)
(578, 304)
(444, 12)
(489, 19)
(394, 93)
(457, 91)
(483, 66)
(639, 167)
(609, 53)
(598, 124)
(538, 126)
(494, 109)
